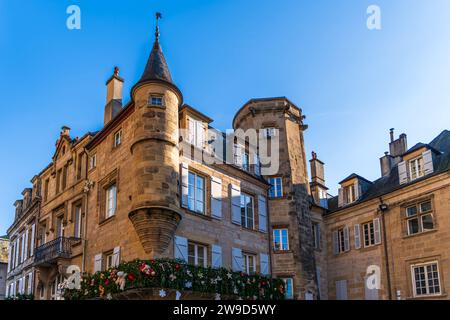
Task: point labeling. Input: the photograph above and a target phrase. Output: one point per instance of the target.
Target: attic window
(349, 194)
(416, 168)
(156, 101)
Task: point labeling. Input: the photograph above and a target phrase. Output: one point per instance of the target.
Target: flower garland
(174, 274)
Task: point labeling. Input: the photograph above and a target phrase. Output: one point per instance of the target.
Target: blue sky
(352, 83)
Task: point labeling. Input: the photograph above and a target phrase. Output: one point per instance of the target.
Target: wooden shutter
(216, 256)
(357, 230)
(238, 155)
(237, 260)
(191, 133)
(216, 197)
(377, 230)
(336, 242)
(357, 187)
(264, 264)
(30, 283)
(181, 248)
(116, 257)
(262, 213)
(256, 165)
(341, 290)
(184, 184)
(428, 162)
(402, 173)
(25, 245)
(346, 239)
(22, 258)
(236, 204)
(341, 197)
(98, 262)
(33, 236)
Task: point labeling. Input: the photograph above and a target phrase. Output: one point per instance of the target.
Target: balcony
(49, 253)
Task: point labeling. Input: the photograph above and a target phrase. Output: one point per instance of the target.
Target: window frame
(109, 260)
(196, 247)
(419, 215)
(108, 210)
(418, 166)
(341, 240)
(274, 186)
(77, 221)
(156, 96)
(291, 281)
(195, 187)
(349, 194)
(93, 162)
(316, 235)
(427, 286)
(249, 269)
(371, 235)
(244, 211)
(117, 138)
(280, 237)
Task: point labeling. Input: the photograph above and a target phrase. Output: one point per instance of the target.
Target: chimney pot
(392, 134)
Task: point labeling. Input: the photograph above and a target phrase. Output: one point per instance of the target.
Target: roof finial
(158, 16)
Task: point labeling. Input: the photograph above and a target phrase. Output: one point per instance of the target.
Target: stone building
(139, 189)
(4, 245)
(387, 239)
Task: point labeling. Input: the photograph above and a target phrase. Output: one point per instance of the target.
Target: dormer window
(154, 100)
(416, 168)
(349, 194)
(197, 132)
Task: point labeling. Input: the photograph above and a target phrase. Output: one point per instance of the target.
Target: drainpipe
(86, 208)
(383, 209)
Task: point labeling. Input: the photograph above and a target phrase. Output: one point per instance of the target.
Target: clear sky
(352, 83)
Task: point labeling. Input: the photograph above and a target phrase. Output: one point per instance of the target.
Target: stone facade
(4, 245)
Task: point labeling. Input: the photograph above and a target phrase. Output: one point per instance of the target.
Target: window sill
(281, 252)
(149, 105)
(408, 236)
(105, 221)
(199, 215)
(429, 297)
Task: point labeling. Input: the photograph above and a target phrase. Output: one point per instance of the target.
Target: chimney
(114, 87)
(318, 188)
(386, 164)
(398, 147)
(65, 131)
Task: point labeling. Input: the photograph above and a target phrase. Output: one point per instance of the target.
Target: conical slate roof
(156, 68)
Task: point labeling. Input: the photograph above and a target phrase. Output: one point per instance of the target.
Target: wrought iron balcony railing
(51, 251)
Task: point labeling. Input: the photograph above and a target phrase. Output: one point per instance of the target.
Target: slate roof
(354, 175)
(384, 185)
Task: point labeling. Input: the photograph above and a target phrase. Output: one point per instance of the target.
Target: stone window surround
(207, 200)
(103, 185)
(77, 203)
(115, 144)
(281, 227)
(410, 276)
(405, 218)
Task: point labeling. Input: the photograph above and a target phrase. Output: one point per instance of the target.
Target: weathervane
(158, 16)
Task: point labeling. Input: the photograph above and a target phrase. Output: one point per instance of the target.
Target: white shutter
(357, 186)
(25, 246)
(262, 213)
(8, 269)
(335, 242)
(238, 155)
(237, 260)
(264, 264)
(357, 230)
(402, 173)
(22, 258)
(236, 204)
(216, 197)
(184, 184)
(116, 257)
(341, 290)
(216, 256)
(181, 248)
(16, 262)
(256, 164)
(30, 283)
(377, 231)
(33, 236)
(346, 239)
(428, 162)
(200, 135)
(98, 262)
(341, 197)
(191, 133)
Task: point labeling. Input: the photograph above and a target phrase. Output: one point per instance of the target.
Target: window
(58, 181)
(156, 101)
(341, 240)
(316, 236)
(280, 240)
(419, 218)
(288, 288)
(93, 162)
(197, 133)
(426, 279)
(276, 188)
(77, 222)
(416, 168)
(369, 234)
(111, 201)
(249, 263)
(109, 258)
(196, 193)
(64, 178)
(46, 184)
(246, 162)
(349, 194)
(269, 132)
(118, 139)
(60, 227)
(42, 235)
(247, 212)
(197, 254)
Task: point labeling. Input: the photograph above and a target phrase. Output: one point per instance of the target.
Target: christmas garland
(174, 274)
(20, 297)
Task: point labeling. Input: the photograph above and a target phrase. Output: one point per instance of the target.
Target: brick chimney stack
(397, 148)
(318, 187)
(114, 87)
